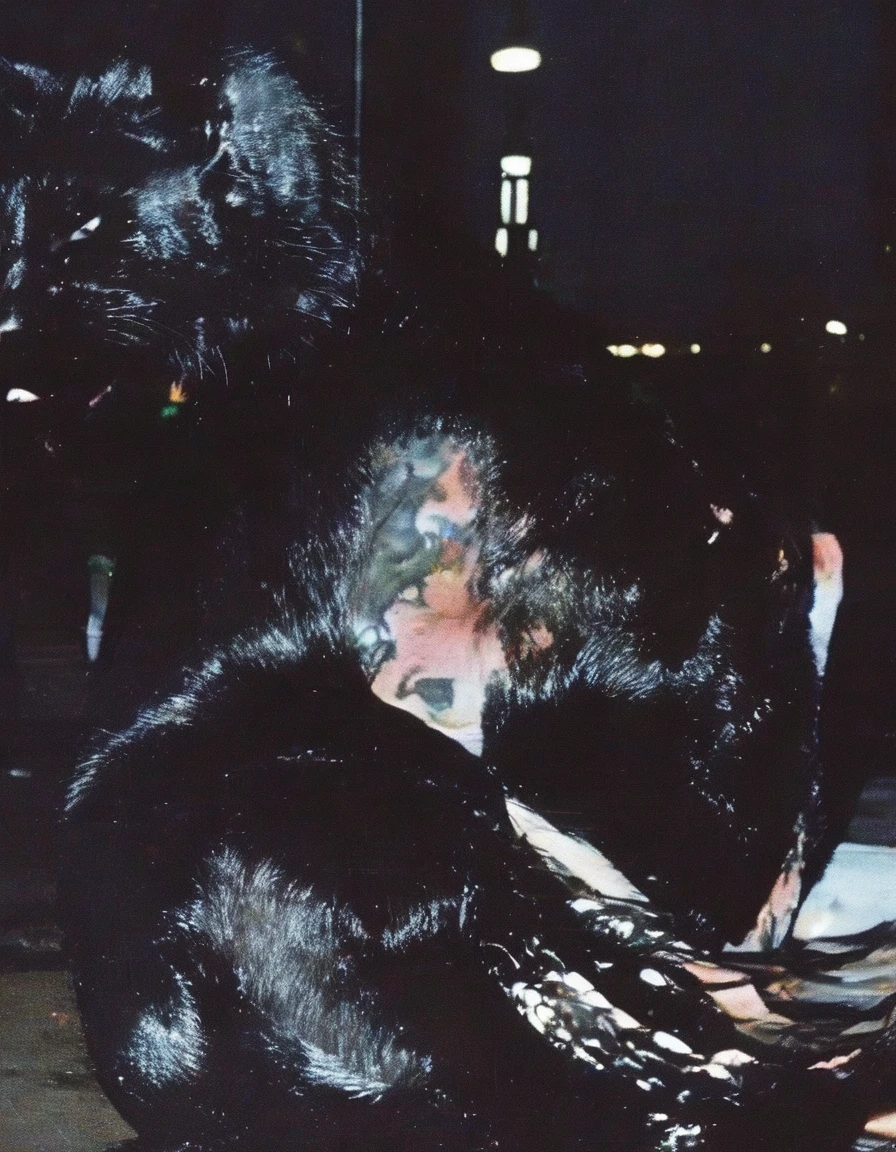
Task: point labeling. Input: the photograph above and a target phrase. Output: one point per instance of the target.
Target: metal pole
(359, 78)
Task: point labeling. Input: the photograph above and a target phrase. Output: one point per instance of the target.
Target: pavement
(49, 1099)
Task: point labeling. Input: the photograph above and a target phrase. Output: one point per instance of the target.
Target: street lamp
(516, 58)
(515, 237)
(518, 54)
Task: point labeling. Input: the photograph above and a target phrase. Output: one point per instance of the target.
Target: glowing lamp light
(516, 165)
(21, 396)
(654, 351)
(765, 347)
(695, 348)
(516, 59)
(835, 327)
(626, 350)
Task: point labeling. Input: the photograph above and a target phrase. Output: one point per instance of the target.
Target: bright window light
(516, 59)
(501, 241)
(516, 165)
(626, 350)
(695, 348)
(21, 396)
(521, 214)
(835, 327)
(533, 239)
(506, 199)
(654, 351)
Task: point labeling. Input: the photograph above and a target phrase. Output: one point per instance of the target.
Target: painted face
(438, 648)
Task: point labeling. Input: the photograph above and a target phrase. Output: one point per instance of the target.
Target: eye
(86, 229)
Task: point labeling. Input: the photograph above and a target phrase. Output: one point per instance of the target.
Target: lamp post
(516, 240)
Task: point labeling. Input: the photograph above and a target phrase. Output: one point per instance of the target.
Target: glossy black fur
(295, 914)
(167, 244)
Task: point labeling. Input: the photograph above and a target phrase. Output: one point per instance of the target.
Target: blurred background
(693, 203)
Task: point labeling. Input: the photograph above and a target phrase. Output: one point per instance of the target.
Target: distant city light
(501, 241)
(765, 347)
(533, 239)
(654, 351)
(695, 348)
(835, 327)
(21, 396)
(516, 165)
(626, 350)
(516, 59)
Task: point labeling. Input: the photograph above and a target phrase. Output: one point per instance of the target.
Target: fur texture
(300, 917)
(169, 245)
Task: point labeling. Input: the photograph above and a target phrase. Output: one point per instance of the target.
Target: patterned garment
(432, 648)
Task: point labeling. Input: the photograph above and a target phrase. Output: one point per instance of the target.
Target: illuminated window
(506, 201)
(516, 165)
(515, 169)
(521, 214)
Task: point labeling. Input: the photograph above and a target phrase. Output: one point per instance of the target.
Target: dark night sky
(698, 166)
(695, 164)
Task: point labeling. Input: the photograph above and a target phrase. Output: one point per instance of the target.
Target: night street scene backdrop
(709, 229)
